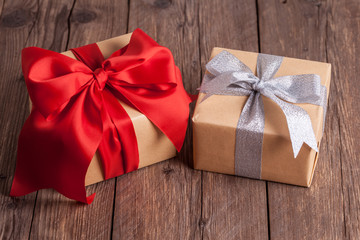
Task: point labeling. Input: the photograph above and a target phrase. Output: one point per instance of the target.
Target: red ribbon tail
(193, 97)
(90, 198)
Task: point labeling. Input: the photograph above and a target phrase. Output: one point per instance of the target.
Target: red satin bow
(76, 112)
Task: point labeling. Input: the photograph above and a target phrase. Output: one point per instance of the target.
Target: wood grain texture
(343, 51)
(233, 207)
(163, 201)
(18, 19)
(298, 29)
(2, 3)
(54, 215)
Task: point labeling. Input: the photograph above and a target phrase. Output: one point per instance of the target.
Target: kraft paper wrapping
(215, 121)
(154, 146)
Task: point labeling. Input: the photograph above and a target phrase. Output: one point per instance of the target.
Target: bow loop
(225, 62)
(66, 78)
(305, 88)
(226, 83)
(142, 64)
(267, 66)
(129, 71)
(258, 86)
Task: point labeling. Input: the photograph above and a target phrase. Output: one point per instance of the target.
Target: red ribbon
(76, 112)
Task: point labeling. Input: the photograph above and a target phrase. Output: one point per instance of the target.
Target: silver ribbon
(227, 75)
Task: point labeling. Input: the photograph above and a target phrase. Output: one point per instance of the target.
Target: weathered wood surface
(299, 29)
(343, 52)
(169, 200)
(18, 19)
(232, 207)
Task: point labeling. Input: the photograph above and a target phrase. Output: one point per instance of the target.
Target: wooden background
(170, 200)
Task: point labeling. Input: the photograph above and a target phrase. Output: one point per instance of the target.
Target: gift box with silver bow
(261, 116)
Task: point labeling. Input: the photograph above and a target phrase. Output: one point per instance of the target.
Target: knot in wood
(84, 16)
(17, 18)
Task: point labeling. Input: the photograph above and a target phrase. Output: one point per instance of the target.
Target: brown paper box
(154, 146)
(215, 120)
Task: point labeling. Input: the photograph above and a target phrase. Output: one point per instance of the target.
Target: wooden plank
(56, 216)
(2, 4)
(298, 29)
(233, 207)
(18, 20)
(343, 52)
(163, 201)
(94, 21)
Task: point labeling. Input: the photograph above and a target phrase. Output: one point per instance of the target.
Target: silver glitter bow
(227, 75)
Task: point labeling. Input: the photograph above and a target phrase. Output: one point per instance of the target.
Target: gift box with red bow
(98, 111)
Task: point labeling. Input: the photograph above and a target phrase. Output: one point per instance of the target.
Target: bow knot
(101, 77)
(258, 86)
